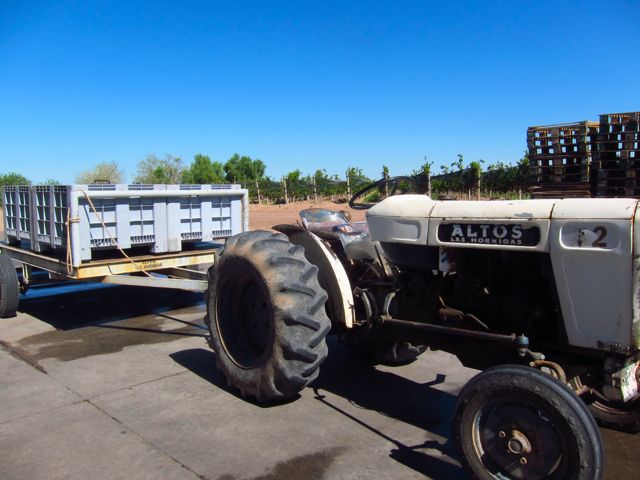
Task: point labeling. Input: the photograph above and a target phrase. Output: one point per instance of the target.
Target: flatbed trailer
(160, 236)
(185, 270)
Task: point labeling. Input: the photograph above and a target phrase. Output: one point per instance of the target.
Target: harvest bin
(103, 217)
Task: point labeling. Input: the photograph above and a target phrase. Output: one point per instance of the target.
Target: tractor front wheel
(515, 422)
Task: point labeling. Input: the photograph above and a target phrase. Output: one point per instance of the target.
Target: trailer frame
(174, 270)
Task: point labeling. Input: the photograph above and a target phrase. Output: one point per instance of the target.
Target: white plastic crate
(127, 220)
(158, 217)
(17, 213)
(206, 218)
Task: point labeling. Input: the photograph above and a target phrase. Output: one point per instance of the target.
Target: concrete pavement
(119, 383)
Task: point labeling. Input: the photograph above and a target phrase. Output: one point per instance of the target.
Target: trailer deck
(177, 268)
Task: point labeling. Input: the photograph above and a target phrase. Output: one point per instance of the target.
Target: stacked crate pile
(106, 217)
(560, 159)
(618, 156)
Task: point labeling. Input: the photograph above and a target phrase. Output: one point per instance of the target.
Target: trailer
(137, 235)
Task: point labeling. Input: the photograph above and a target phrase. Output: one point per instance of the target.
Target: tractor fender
(331, 274)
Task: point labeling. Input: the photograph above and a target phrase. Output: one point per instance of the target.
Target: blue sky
(306, 84)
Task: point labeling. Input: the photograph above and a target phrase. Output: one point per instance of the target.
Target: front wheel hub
(518, 444)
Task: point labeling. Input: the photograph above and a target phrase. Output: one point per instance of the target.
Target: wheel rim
(245, 317)
(517, 439)
(621, 410)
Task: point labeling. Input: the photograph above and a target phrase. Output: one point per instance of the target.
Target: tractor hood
(419, 220)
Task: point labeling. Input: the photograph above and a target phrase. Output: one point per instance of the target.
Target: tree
(13, 178)
(204, 171)
(51, 181)
(159, 170)
(356, 177)
(523, 172)
(103, 172)
(243, 169)
(328, 185)
(296, 185)
(422, 176)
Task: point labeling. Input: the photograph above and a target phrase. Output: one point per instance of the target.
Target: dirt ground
(263, 217)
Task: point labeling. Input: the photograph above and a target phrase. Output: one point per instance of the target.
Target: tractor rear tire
(9, 289)
(266, 316)
(610, 414)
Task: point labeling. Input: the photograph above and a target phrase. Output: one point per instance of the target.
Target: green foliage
(327, 185)
(357, 179)
(372, 197)
(51, 181)
(159, 170)
(243, 169)
(102, 172)
(13, 178)
(297, 186)
(203, 171)
(505, 178)
(421, 175)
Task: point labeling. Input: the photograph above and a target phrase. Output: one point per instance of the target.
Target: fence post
(385, 175)
(348, 186)
(478, 187)
(258, 192)
(315, 191)
(429, 184)
(286, 195)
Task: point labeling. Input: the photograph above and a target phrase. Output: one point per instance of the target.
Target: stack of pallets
(560, 159)
(617, 156)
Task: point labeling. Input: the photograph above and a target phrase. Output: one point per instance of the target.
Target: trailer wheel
(9, 290)
(266, 316)
(515, 422)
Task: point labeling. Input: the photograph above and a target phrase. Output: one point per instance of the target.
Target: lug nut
(502, 434)
(523, 460)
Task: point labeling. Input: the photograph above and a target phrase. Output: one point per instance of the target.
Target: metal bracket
(157, 282)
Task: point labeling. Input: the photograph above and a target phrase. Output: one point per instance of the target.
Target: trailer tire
(9, 289)
(266, 316)
(514, 421)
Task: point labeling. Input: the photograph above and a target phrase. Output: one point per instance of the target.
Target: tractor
(542, 296)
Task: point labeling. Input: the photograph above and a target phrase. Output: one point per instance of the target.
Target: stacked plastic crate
(16, 201)
(560, 159)
(204, 218)
(91, 218)
(618, 156)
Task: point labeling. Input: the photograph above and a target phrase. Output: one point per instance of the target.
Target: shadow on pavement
(91, 319)
(202, 362)
(348, 375)
(73, 305)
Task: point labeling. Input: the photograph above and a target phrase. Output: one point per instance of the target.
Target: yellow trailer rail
(169, 270)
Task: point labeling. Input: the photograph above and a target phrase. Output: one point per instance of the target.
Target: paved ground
(116, 382)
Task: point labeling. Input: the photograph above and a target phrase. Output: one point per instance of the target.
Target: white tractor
(542, 295)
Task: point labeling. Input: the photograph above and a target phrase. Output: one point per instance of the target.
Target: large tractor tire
(515, 422)
(266, 316)
(613, 414)
(9, 289)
